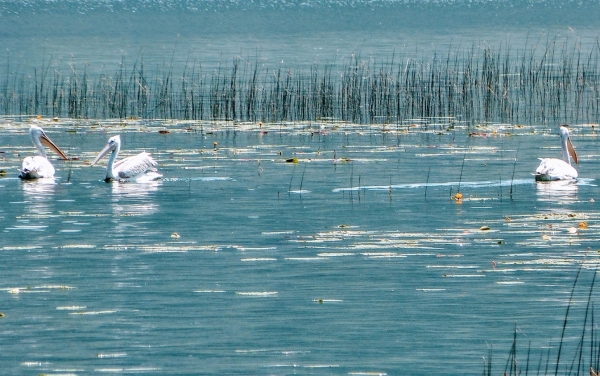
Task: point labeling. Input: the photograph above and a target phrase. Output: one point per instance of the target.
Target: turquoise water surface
(353, 258)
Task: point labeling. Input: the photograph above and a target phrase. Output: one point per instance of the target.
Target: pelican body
(137, 168)
(551, 169)
(39, 166)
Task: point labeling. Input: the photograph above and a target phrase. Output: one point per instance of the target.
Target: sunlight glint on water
(318, 247)
(350, 260)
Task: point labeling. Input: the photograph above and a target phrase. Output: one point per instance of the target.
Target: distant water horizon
(296, 32)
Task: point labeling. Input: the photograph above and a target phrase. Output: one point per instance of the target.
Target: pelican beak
(102, 153)
(48, 142)
(572, 150)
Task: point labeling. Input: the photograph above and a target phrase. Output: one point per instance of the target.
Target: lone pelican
(139, 168)
(559, 169)
(39, 166)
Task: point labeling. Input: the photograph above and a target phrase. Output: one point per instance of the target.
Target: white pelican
(39, 166)
(139, 168)
(559, 169)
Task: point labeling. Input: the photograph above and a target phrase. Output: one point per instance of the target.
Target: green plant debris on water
(458, 227)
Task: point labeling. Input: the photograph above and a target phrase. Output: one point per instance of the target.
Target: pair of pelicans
(141, 167)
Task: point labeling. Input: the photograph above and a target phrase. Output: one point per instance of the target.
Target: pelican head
(566, 145)
(39, 137)
(112, 146)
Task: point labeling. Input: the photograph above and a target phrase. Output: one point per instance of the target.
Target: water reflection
(130, 201)
(39, 195)
(39, 188)
(37, 205)
(560, 191)
(134, 198)
(139, 190)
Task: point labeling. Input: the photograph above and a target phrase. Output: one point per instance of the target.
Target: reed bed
(552, 83)
(575, 352)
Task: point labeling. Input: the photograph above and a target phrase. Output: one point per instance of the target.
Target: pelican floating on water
(39, 166)
(139, 168)
(559, 169)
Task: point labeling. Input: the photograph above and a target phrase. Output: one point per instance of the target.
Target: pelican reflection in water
(138, 168)
(39, 166)
(559, 169)
(558, 191)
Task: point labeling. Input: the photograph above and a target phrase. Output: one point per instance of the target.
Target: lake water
(293, 248)
(354, 259)
(289, 35)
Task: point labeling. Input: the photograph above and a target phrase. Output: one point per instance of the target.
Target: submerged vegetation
(555, 82)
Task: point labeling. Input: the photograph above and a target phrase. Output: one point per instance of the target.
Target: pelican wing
(36, 167)
(130, 167)
(554, 169)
